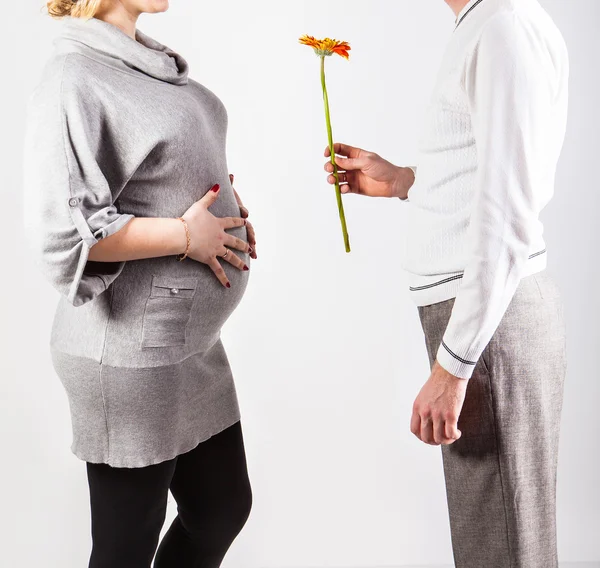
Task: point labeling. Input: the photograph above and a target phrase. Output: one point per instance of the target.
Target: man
(492, 317)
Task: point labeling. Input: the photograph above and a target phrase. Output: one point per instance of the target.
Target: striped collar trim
(466, 11)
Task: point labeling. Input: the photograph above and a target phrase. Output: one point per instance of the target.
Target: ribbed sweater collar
(144, 54)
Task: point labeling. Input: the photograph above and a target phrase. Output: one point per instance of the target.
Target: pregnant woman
(134, 220)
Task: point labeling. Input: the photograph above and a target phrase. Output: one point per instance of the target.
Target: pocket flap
(167, 282)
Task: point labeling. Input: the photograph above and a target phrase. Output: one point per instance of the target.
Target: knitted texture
(494, 130)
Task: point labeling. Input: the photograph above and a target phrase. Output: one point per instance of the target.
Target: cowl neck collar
(144, 54)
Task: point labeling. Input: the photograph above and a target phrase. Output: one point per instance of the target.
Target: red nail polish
(215, 187)
(245, 267)
(228, 285)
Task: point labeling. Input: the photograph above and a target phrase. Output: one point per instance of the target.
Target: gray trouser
(501, 474)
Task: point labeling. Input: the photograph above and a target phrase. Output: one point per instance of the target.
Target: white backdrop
(326, 347)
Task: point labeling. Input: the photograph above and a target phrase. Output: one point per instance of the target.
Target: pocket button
(174, 290)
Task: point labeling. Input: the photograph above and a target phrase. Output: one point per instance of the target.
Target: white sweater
(494, 131)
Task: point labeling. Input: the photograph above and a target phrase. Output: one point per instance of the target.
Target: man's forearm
(142, 237)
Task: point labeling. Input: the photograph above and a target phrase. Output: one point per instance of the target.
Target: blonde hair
(77, 8)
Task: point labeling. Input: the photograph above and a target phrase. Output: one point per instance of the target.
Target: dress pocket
(168, 310)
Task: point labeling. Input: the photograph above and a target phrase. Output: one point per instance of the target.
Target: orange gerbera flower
(326, 47)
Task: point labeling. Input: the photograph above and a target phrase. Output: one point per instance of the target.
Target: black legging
(211, 487)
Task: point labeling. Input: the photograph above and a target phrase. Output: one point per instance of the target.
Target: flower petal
(326, 47)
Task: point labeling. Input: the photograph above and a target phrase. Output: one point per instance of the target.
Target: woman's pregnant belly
(170, 309)
(157, 312)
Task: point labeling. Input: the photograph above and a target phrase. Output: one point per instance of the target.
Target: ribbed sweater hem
(431, 289)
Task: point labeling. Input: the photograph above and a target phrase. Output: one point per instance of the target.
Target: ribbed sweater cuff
(458, 361)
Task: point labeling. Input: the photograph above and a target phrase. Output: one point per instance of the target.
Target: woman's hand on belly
(209, 239)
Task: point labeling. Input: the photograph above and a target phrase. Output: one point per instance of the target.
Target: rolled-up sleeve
(69, 204)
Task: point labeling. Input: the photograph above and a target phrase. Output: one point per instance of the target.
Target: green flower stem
(338, 192)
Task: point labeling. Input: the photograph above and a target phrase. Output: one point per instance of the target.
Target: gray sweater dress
(115, 130)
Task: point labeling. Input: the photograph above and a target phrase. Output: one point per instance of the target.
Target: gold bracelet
(187, 236)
